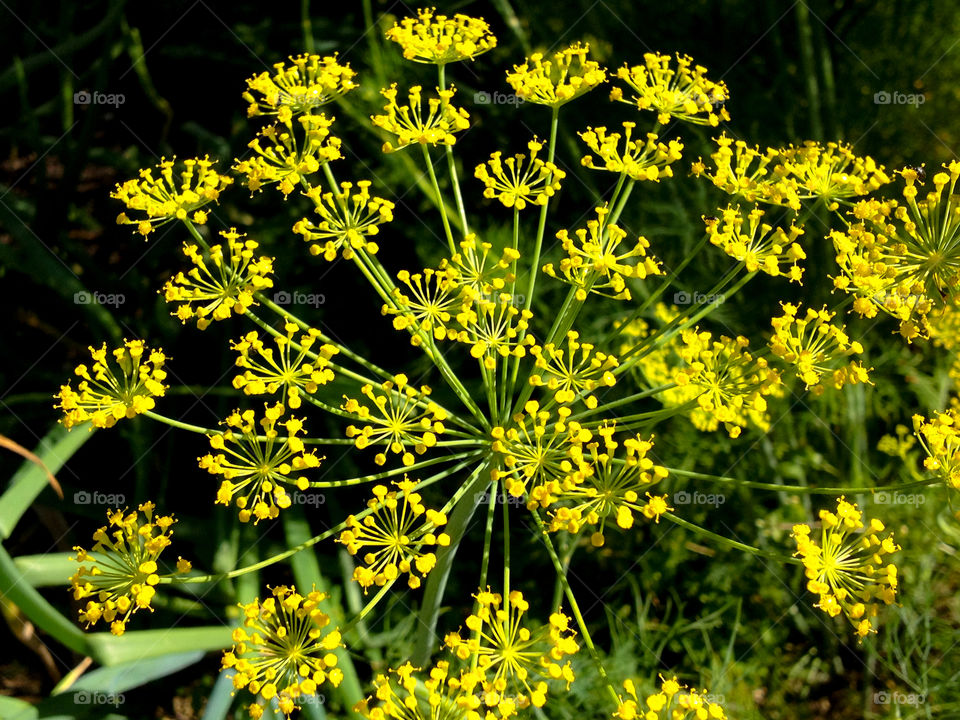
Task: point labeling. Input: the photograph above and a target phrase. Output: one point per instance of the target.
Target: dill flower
(478, 270)
(104, 396)
(846, 569)
(400, 695)
(578, 369)
(284, 649)
(816, 348)
(123, 572)
(750, 173)
(293, 369)
(559, 80)
(596, 263)
(538, 449)
(308, 82)
(221, 283)
(432, 297)
(639, 160)
(256, 463)
(831, 172)
(756, 244)
(606, 487)
(494, 328)
(179, 193)
(940, 438)
(730, 384)
(280, 158)
(410, 124)
(672, 702)
(513, 662)
(438, 39)
(517, 181)
(349, 220)
(393, 542)
(400, 419)
(683, 92)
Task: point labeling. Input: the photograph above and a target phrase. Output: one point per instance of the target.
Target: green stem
(440, 203)
(800, 489)
(730, 543)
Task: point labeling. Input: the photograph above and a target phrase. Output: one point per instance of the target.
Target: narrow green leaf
(110, 650)
(221, 698)
(46, 570)
(16, 709)
(126, 676)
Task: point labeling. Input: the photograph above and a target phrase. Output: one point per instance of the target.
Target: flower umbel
(349, 220)
(757, 245)
(940, 437)
(559, 80)
(518, 180)
(673, 702)
(639, 159)
(411, 126)
(306, 83)
(438, 39)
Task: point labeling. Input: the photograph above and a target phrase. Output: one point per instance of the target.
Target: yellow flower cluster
(903, 258)
(349, 219)
(847, 568)
(401, 419)
(672, 702)
(729, 384)
(559, 80)
(816, 347)
(104, 396)
(123, 572)
(220, 284)
(639, 160)
(574, 371)
(749, 173)
(393, 542)
(940, 437)
(293, 369)
(514, 664)
(683, 92)
(606, 486)
(440, 695)
(494, 328)
(595, 262)
(478, 271)
(428, 306)
(284, 650)
(412, 127)
(518, 180)
(280, 158)
(256, 462)
(178, 193)
(438, 39)
(758, 246)
(307, 83)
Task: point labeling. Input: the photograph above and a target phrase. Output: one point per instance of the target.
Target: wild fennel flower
(847, 568)
(756, 244)
(284, 649)
(411, 126)
(401, 419)
(280, 158)
(397, 538)
(306, 83)
(576, 370)
(349, 220)
(221, 282)
(940, 438)
(519, 180)
(256, 462)
(596, 263)
(608, 487)
(683, 92)
(428, 305)
(514, 663)
(294, 369)
(830, 172)
(104, 395)
(750, 173)
(438, 39)
(400, 695)
(638, 160)
(672, 702)
(478, 270)
(556, 81)
(816, 348)
(179, 193)
(123, 572)
(494, 328)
